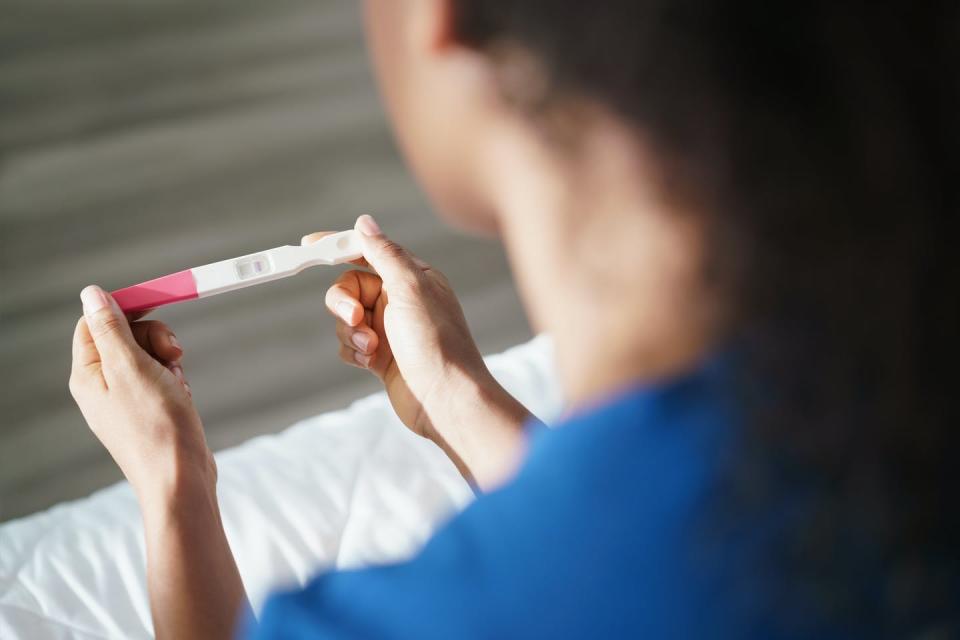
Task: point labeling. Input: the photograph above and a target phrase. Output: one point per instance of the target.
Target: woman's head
(809, 144)
(437, 98)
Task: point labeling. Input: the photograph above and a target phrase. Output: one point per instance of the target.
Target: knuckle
(347, 276)
(391, 249)
(160, 337)
(347, 357)
(159, 327)
(73, 384)
(418, 285)
(77, 384)
(107, 323)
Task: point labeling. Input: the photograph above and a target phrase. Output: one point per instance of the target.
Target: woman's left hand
(129, 385)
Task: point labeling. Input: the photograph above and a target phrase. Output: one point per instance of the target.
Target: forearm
(480, 428)
(193, 581)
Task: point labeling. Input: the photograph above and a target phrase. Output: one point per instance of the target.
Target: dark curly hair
(815, 139)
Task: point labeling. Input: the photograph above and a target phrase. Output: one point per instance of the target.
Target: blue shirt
(606, 532)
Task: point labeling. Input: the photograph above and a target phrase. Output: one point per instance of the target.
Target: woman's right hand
(404, 324)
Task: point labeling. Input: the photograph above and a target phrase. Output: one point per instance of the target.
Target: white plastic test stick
(237, 273)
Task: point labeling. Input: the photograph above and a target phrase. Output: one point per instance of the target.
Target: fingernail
(189, 390)
(362, 359)
(361, 340)
(345, 310)
(178, 372)
(175, 343)
(93, 299)
(368, 226)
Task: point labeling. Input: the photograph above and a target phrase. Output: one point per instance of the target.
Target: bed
(342, 489)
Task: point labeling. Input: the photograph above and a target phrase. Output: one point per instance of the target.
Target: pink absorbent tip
(237, 273)
(175, 287)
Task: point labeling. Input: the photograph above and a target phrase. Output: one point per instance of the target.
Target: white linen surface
(341, 489)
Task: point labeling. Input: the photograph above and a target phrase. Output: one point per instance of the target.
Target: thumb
(108, 327)
(391, 261)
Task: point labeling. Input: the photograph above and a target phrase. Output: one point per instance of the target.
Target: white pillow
(342, 489)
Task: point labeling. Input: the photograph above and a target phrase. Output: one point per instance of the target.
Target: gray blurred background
(137, 139)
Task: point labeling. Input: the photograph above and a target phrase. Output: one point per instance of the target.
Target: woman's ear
(431, 24)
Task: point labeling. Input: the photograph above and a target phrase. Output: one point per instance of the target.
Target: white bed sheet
(341, 489)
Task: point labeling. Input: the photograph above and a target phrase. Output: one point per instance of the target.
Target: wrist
(181, 482)
(460, 398)
(479, 425)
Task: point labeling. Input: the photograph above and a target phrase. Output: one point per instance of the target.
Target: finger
(359, 338)
(133, 316)
(351, 293)
(109, 328)
(368, 318)
(157, 339)
(86, 358)
(391, 261)
(355, 358)
(177, 370)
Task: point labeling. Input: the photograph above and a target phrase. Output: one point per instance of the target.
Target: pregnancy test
(237, 273)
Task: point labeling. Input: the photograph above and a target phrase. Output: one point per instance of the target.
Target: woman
(730, 219)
